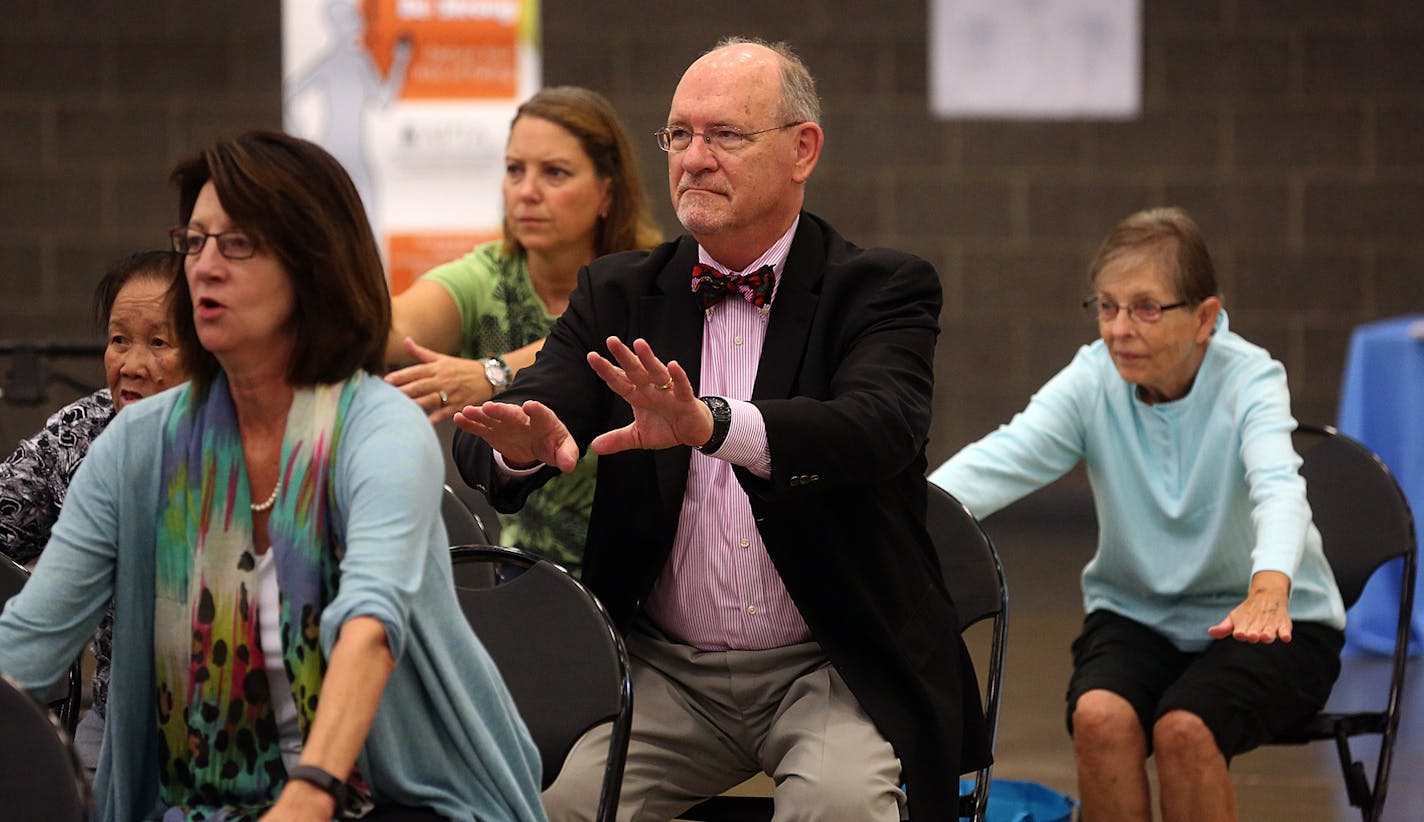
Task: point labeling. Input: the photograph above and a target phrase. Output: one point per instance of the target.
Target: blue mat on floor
(1011, 800)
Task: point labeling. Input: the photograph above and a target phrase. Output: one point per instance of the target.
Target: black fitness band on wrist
(327, 782)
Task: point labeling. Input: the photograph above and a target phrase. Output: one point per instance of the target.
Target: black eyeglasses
(723, 138)
(1144, 311)
(234, 245)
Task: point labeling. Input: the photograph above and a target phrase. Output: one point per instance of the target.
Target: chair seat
(730, 809)
(760, 808)
(1328, 726)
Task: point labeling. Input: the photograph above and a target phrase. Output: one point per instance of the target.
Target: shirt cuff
(745, 444)
(506, 472)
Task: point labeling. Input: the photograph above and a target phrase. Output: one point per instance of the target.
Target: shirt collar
(774, 257)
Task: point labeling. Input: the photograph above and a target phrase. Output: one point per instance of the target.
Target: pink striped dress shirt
(719, 589)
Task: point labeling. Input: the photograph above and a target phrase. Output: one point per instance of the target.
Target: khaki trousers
(704, 721)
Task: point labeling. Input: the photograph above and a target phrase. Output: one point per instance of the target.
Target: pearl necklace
(259, 507)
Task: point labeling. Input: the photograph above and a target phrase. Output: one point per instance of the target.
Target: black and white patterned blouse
(33, 483)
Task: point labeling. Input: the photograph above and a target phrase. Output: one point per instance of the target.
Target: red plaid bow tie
(712, 285)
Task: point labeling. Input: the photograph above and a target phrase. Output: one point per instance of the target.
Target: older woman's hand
(1264, 616)
(440, 383)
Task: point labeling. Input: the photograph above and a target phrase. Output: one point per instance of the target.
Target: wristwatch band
(323, 780)
(721, 423)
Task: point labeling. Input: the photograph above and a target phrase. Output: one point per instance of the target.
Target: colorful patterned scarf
(218, 735)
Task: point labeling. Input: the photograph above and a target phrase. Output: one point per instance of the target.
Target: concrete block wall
(1292, 129)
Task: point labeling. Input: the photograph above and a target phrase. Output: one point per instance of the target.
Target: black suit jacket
(844, 385)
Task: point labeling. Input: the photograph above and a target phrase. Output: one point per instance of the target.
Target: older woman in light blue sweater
(1213, 621)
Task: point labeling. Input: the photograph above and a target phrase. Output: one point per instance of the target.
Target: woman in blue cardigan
(287, 642)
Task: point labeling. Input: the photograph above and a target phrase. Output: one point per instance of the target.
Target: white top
(269, 619)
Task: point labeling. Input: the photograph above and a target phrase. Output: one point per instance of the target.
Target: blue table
(1382, 406)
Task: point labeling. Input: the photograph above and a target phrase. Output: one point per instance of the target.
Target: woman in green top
(571, 193)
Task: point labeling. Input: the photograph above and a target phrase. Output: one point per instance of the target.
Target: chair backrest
(1364, 522)
(1362, 515)
(462, 525)
(40, 777)
(12, 579)
(557, 649)
(975, 579)
(65, 696)
(967, 559)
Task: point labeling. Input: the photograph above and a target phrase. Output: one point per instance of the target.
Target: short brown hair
(590, 118)
(297, 201)
(1175, 237)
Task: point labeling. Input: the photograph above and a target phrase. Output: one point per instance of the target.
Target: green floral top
(500, 312)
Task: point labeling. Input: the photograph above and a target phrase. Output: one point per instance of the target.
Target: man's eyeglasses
(722, 138)
(234, 245)
(1143, 311)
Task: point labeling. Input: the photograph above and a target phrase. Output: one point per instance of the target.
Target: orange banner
(461, 49)
(410, 255)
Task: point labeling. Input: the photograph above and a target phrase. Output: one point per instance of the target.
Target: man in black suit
(758, 526)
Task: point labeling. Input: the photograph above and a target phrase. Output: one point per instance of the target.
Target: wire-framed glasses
(234, 245)
(722, 138)
(1144, 311)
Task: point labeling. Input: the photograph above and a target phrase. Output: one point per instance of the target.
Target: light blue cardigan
(1193, 496)
(446, 736)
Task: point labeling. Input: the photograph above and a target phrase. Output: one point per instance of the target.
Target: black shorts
(1246, 694)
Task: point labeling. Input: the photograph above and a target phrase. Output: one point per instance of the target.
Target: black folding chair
(40, 777)
(463, 526)
(65, 697)
(975, 579)
(1364, 522)
(558, 651)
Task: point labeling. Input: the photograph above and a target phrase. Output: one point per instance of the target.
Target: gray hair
(799, 101)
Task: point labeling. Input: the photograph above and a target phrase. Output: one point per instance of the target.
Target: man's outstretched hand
(666, 412)
(525, 435)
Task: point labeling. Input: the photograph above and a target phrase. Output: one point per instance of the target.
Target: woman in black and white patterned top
(132, 306)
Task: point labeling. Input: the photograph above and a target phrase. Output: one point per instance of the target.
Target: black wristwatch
(721, 423)
(323, 780)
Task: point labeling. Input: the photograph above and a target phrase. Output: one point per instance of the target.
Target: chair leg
(71, 704)
(1357, 785)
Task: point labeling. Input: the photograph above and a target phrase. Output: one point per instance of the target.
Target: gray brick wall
(1293, 129)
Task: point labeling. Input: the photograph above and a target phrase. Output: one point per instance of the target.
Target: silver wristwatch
(497, 373)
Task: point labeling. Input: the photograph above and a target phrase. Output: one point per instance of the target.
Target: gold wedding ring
(665, 386)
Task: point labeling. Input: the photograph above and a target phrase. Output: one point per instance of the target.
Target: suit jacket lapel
(672, 320)
(791, 312)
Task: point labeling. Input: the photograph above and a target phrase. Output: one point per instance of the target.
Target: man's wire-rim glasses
(723, 138)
